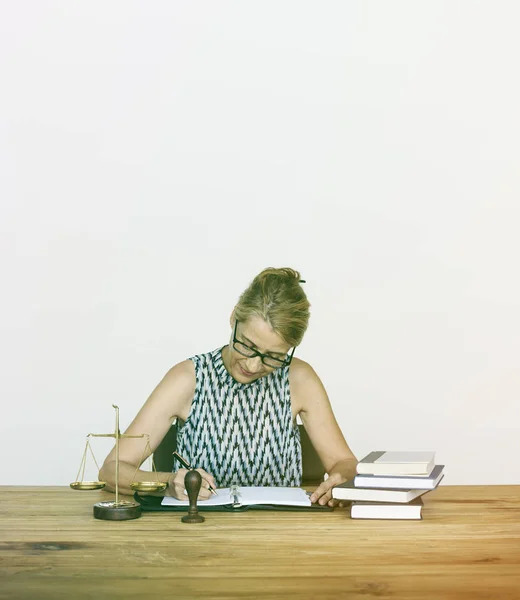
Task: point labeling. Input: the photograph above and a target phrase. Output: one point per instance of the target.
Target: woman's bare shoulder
(301, 372)
(180, 379)
(303, 380)
(184, 370)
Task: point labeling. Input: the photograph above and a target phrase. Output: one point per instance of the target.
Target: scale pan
(87, 485)
(148, 486)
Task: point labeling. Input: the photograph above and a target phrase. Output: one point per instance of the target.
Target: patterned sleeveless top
(243, 434)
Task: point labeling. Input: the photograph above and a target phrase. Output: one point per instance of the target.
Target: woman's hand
(323, 493)
(177, 489)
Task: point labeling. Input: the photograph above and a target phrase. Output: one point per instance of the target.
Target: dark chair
(313, 469)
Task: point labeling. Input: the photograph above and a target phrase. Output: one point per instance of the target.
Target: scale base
(117, 511)
(193, 519)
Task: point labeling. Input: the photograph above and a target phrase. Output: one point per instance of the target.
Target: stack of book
(389, 485)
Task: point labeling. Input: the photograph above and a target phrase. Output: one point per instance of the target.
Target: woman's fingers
(207, 479)
(334, 502)
(177, 489)
(323, 493)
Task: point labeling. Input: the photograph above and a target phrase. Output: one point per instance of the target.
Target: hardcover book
(397, 463)
(417, 482)
(368, 510)
(348, 491)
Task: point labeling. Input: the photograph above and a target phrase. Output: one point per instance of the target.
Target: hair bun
(285, 272)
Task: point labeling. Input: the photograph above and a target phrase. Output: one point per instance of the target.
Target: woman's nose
(254, 364)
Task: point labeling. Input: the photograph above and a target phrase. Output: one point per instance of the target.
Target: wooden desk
(467, 546)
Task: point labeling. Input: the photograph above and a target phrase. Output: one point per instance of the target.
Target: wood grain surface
(466, 547)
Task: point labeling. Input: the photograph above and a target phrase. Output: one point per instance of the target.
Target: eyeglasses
(269, 361)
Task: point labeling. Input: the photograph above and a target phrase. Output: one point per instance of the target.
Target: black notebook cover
(153, 503)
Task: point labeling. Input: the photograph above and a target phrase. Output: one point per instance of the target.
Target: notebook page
(285, 496)
(223, 497)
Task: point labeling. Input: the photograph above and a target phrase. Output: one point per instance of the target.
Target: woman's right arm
(170, 399)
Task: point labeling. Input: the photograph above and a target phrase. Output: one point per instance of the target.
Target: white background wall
(154, 156)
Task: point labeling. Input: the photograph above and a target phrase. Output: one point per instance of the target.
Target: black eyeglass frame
(255, 353)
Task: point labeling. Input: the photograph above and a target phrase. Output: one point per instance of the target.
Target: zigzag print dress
(243, 434)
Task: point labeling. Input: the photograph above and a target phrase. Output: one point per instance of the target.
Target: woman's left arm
(309, 400)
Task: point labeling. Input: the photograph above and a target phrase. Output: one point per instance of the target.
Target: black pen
(186, 465)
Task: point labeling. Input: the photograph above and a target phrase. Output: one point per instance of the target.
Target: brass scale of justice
(120, 510)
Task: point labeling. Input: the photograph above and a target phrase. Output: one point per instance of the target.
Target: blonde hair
(276, 296)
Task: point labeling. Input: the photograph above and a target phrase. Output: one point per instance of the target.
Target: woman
(240, 403)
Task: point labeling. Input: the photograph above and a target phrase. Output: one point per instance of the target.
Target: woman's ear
(232, 318)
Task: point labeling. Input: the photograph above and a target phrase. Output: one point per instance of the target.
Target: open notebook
(239, 498)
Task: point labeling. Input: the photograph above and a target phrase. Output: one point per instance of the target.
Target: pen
(187, 465)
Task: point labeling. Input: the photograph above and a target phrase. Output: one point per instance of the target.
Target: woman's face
(257, 334)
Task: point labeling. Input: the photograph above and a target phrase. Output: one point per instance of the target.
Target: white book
(417, 482)
(367, 510)
(247, 496)
(347, 491)
(383, 462)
